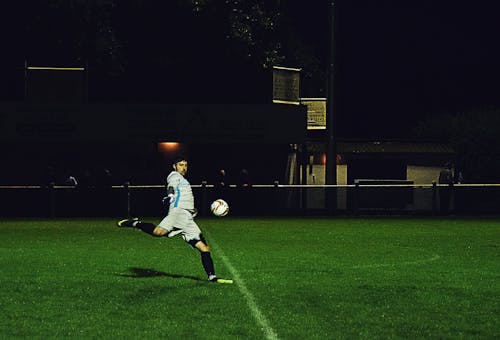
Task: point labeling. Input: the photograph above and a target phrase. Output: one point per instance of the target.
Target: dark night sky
(423, 61)
(398, 60)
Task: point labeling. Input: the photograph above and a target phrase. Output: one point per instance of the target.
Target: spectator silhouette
(220, 185)
(105, 179)
(221, 180)
(85, 179)
(70, 180)
(105, 199)
(244, 180)
(246, 196)
(50, 176)
(445, 177)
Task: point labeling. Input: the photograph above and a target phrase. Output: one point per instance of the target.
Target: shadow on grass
(145, 272)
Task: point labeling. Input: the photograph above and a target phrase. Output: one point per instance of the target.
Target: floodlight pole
(331, 145)
(25, 80)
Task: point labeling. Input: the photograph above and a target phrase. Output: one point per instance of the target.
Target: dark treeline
(175, 51)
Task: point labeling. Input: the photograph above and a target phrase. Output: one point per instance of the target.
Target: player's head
(179, 159)
(180, 164)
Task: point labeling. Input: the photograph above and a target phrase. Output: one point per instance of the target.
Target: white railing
(274, 199)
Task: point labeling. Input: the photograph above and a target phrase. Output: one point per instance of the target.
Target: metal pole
(126, 186)
(86, 82)
(356, 198)
(25, 80)
(52, 200)
(331, 151)
(204, 199)
(304, 162)
(434, 198)
(277, 198)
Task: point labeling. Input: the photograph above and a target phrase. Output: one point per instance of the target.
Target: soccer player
(180, 217)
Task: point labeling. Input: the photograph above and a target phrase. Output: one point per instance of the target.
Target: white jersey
(183, 194)
(180, 218)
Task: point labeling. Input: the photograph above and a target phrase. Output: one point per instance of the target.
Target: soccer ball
(219, 207)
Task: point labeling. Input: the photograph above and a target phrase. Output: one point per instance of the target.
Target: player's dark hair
(179, 159)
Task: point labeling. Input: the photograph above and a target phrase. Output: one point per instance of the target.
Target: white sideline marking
(261, 319)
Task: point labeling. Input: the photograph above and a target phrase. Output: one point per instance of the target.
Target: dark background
(398, 63)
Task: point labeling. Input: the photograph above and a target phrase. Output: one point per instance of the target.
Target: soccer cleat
(213, 278)
(224, 281)
(127, 223)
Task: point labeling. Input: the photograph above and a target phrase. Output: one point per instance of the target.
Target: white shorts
(181, 220)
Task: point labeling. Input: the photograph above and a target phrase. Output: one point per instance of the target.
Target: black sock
(208, 264)
(146, 227)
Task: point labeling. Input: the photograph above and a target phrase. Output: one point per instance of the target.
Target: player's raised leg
(148, 228)
(127, 223)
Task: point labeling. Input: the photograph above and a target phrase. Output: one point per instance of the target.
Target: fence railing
(258, 200)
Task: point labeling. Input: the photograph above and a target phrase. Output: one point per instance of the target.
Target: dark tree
(475, 136)
(183, 50)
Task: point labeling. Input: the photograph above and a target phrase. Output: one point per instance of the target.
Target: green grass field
(301, 278)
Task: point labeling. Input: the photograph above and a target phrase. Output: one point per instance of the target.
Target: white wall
(415, 173)
(318, 174)
(422, 174)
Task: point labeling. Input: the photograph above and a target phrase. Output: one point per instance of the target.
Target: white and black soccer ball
(219, 207)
